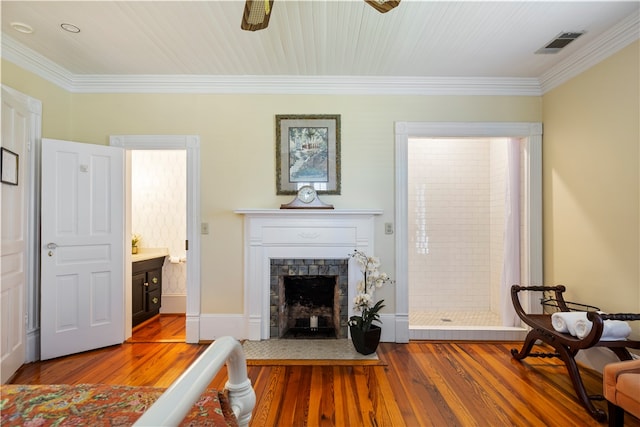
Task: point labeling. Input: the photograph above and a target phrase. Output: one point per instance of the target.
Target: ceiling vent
(559, 42)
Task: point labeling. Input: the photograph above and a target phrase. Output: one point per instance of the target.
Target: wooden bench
(567, 346)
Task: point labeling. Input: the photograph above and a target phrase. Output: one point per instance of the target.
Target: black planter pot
(365, 342)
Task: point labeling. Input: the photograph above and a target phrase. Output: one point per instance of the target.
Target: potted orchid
(364, 334)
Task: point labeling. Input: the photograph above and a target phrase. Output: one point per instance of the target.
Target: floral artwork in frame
(308, 153)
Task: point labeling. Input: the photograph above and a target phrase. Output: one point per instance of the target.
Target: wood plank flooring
(423, 384)
(161, 328)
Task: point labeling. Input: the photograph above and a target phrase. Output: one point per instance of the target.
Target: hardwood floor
(423, 384)
(161, 328)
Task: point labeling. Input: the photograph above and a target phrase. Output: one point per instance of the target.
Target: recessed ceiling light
(70, 27)
(22, 28)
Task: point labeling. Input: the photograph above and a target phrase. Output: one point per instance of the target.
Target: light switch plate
(204, 228)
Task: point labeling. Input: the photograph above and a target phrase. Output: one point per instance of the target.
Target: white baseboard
(388, 328)
(596, 358)
(254, 332)
(467, 333)
(401, 328)
(33, 346)
(192, 325)
(174, 304)
(213, 326)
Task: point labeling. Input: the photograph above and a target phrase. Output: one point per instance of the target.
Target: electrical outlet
(204, 228)
(388, 228)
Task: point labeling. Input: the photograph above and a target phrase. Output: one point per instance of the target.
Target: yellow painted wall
(591, 162)
(238, 155)
(56, 102)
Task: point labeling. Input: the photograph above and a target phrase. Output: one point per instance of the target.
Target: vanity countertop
(149, 253)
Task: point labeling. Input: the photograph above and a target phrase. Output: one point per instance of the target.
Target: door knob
(51, 245)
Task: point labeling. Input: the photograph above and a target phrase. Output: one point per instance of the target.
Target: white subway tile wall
(158, 214)
(497, 188)
(456, 203)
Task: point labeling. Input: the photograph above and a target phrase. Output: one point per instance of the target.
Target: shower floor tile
(454, 318)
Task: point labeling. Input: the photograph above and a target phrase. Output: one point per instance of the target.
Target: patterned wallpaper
(159, 200)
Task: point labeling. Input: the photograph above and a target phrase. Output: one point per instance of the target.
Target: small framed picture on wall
(9, 166)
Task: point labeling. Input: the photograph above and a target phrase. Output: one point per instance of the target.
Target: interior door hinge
(186, 245)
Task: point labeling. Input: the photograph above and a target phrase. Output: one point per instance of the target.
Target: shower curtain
(511, 258)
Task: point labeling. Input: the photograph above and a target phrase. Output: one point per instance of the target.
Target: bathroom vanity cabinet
(146, 285)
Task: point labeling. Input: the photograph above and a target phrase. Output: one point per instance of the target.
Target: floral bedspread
(98, 405)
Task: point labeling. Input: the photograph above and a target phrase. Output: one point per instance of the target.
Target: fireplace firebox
(309, 306)
(309, 298)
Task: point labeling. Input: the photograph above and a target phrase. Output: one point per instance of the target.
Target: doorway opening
(159, 226)
(457, 189)
(190, 146)
(164, 328)
(529, 136)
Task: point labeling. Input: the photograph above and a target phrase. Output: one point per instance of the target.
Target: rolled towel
(613, 330)
(565, 321)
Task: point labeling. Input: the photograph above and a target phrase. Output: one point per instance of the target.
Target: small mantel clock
(307, 198)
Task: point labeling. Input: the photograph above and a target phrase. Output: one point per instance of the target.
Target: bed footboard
(176, 401)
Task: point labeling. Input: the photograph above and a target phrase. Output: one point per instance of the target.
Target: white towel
(565, 321)
(613, 330)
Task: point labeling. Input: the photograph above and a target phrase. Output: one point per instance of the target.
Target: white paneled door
(20, 129)
(82, 245)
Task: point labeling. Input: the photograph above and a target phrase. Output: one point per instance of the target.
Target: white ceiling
(418, 39)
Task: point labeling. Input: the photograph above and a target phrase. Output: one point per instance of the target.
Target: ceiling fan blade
(256, 14)
(383, 6)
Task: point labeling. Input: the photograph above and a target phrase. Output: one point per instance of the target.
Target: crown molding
(613, 40)
(610, 42)
(31, 60)
(38, 64)
(308, 85)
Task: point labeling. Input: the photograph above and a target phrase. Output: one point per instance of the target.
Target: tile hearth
(336, 350)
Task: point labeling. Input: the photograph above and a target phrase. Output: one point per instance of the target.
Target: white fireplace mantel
(297, 233)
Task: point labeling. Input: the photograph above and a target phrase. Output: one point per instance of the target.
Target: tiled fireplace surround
(299, 236)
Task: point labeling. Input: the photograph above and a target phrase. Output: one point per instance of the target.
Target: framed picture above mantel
(308, 153)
